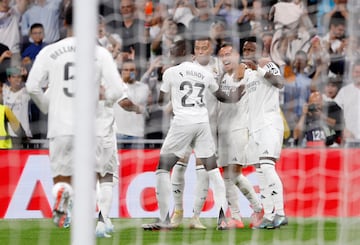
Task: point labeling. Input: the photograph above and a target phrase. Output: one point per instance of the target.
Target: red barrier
(317, 183)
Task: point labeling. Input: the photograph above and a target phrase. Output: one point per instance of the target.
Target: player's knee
(209, 163)
(167, 161)
(106, 178)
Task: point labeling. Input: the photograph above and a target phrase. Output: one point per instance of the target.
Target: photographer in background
(314, 128)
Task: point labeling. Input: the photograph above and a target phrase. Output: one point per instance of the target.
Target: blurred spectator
(335, 42)
(318, 60)
(184, 12)
(257, 18)
(131, 125)
(324, 7)
(111, 41)
(338, 9)
(46, 12)
(10, 16)
(36, 44)
(156, 23)
(348, 98)
(164, 40)
(38, 120)
(157, 123)
(297, 92)
(228, 10)
(219, 35)
(17, 99)
(292, 30)
(200, 25)
(330, 91)
(5, 56)
(133, 33)
(313, 128)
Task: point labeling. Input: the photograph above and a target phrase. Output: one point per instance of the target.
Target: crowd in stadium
(310, 41)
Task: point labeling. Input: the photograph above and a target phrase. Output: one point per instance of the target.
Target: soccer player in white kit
(187, 83)
(266, 132)
(56, 64)
(203, 49)
(233, 139)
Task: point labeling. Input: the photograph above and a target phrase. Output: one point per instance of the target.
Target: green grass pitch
(128, 231)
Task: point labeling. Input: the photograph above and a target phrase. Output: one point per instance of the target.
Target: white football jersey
(56, 63)
(105, 121)
(232, 116)
(215, 67)
(187, 83)
(263, 99)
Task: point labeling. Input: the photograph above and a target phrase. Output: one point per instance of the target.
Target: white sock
(105, 198)
(232, 198)
(219, 189)
(201, 189)
(248, 191)
(274, 184)
(266, 200)
(178, 184)
(163, 192)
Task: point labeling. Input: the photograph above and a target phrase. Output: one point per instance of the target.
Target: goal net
(320, 184)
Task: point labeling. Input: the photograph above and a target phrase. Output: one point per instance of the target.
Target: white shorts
(231, 148)
(266, 142)
(61, 155)
(106, 155)
(180, 137)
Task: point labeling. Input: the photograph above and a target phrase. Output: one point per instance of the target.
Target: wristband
(261, 71)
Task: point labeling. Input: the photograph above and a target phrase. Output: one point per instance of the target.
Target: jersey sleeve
(38, 74)
(272, 68)
(213, 86)
(165, 86)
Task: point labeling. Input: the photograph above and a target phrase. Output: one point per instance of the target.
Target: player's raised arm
(270, 72)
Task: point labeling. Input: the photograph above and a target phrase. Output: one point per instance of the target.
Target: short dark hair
(228, 44)
(180, 47)
(69, 15)
(36, 25)
(254, 39)
(337, 19)
(203, 38)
